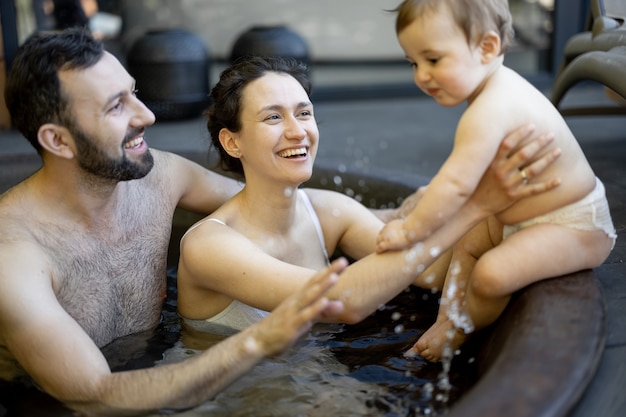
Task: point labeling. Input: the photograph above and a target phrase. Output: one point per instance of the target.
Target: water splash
(413, 257)
(459, 318)
(451, 301)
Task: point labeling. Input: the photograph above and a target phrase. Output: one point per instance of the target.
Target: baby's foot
(432, 343)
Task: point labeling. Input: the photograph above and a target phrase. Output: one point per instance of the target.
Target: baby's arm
(475, 145)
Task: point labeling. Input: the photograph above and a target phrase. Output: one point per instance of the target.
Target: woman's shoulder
(320, 195)
(205, 228)
(330, 199)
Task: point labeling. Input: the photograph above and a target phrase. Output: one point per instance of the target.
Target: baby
(456, 49)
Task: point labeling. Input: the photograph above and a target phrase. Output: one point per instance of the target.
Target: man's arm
(196, 188)
(64, 361)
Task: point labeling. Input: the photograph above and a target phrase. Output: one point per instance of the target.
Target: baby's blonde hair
(474, 17)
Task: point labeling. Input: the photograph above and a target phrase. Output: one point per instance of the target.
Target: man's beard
(94, 161)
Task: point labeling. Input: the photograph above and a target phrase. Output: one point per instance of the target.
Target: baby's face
(445, 65)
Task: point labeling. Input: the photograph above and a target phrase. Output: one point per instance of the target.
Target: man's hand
(297, 313)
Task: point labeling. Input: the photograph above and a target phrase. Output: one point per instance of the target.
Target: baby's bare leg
(530, 255)
(476, 242)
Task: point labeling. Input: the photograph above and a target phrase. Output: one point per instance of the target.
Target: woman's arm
(238, 269)
(500, 186)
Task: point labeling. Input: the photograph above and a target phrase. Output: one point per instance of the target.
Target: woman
(264, 243)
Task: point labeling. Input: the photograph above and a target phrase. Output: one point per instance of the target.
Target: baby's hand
(392, 237)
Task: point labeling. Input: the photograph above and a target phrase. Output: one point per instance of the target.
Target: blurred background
(351, 44)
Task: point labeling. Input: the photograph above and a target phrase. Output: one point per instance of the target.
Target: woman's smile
(293, 153)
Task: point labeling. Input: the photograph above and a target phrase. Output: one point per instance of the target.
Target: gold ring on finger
(524, 176)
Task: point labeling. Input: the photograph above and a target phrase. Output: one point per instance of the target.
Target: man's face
(94, 160)
(106, 121)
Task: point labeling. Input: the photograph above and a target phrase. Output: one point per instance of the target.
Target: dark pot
(270, 41)
(171, 68)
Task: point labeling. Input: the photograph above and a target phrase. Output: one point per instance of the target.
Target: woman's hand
(509, 177)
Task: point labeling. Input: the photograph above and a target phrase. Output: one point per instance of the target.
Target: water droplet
(398, 329)
(455, 268)
(410, 354)
(288, 192)
(396, 316)
(418, 248)
(337, 180)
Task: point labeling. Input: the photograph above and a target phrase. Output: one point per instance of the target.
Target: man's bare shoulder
(168, 168)
(15, 209)
(165, 162)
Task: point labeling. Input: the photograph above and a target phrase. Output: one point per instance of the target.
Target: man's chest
(114, 287)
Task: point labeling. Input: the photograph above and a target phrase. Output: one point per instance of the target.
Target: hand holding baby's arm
(502, 184)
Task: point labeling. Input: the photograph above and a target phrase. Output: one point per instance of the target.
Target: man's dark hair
(33, 91)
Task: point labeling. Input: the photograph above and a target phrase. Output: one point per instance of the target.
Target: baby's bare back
(520, 103)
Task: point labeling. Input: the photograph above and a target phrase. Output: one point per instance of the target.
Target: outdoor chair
(598, 54)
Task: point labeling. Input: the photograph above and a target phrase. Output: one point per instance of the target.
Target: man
(84, 240)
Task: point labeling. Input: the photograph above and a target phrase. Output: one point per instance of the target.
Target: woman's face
(279, 135)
